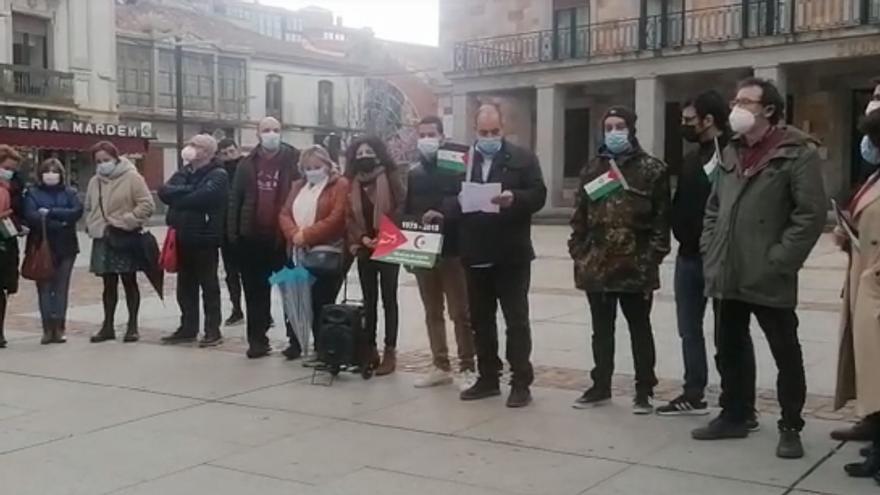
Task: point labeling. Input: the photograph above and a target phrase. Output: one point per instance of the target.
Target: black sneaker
(752, 423)
(292, 353)
(178, 337)
(212, 341)
(682, 406)
(790, 446)
(866, 451)
(2, 343)
(642, 405)
(236, 318)
(720, 429)
(864, 469)
(519, 397)
(592, 398)
(483, 389)
(258, 351)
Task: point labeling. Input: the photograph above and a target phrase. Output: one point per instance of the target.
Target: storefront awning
(69, 141)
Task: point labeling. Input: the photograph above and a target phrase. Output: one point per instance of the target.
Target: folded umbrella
(295, 285)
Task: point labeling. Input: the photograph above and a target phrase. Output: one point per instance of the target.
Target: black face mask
(366, 164)
(690, 134)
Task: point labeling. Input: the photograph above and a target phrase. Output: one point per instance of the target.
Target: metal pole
(178, 81)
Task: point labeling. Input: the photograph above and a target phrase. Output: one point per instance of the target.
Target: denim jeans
(690, 308)
(53, 293)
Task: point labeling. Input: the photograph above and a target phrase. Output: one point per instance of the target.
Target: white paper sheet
(476, 197)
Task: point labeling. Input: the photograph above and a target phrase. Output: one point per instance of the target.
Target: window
(30, 41)
(325, 103)
(198, 81)
(570, 18)
(233, 95)
(134, 65)
(275, 96)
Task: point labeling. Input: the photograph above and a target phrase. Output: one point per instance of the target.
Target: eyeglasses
(742, 102)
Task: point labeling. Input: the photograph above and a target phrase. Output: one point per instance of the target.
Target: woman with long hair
(118, 203)
(377, 190)
(51, 203)
(313, 217)
(10, 194)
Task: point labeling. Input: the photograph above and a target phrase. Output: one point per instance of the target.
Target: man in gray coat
(765, 214)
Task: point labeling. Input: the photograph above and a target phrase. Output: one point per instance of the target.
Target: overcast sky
(414, 21)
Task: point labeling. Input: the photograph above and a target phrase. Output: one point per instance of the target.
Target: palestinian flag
(453, 157)
(605, 184)
(8, 229)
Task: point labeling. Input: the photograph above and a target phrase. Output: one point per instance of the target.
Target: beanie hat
(624, 113)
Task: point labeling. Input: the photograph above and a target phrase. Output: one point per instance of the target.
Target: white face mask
(741, 120)
(188, 154)
(873, 105)
(106, 168)
(428, 146)
(51, 178)
(270, 140)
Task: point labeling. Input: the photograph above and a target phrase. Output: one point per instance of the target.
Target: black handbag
(322, 261)
(121, 240)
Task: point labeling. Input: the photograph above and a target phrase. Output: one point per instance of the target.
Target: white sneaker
(435, 378)
(466, 380)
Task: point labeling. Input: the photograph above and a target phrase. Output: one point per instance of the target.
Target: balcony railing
(36, 84)
(748, 19)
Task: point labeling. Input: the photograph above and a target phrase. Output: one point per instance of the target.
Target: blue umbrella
(295, 285)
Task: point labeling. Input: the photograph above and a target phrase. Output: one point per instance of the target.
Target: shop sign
(138, 130)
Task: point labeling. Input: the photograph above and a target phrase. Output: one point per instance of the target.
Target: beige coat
(858, 374)
(127, 201)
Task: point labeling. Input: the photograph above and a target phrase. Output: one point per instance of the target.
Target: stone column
(550, 140)
(651, 110)
(463, 109)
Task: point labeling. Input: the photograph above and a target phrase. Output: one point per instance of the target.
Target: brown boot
(389, 362)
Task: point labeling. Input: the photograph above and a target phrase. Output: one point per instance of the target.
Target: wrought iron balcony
(747, 19)
(36, 84)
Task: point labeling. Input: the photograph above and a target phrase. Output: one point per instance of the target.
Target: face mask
(870, 152)
(874, 105)
(428, 146)
(742, 120)
(366, 164)
(489, 146)
(690, 134)
(617, 142)
(106, 168)
(188, 154)
(6, 174)
(270, 140)
(316, 176)
(51, 179)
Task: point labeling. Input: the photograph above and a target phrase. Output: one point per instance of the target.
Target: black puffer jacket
(197, 201)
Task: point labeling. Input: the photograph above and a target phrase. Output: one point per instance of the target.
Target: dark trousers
(636, 309)
(259, 259)
(509, 286)
(324, 292)
(875, 420)
(198, 270)
(376, 276)
(690, 308)
(738, 375)
(233, 276)
(53, 293)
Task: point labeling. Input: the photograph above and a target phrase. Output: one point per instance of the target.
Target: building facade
(58, 82)
(555, 66)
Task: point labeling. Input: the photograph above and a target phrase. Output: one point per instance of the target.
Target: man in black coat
(497, 250)
(229, 153)
(197, 197)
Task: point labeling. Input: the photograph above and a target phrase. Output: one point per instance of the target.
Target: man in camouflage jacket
(618, 241)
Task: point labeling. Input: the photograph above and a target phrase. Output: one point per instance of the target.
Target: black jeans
(324, 292)
(636, 309)
(233, 276)
(259, 258)
(690, 308)
(738, 375)
(509, 286)
(376, 275)
(198, 270)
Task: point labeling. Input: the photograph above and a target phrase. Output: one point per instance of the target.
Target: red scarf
(751, 156)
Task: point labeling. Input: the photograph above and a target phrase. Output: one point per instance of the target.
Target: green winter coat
(618, 242)
(759, 230)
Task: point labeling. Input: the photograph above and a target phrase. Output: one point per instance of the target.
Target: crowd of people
(746, 205)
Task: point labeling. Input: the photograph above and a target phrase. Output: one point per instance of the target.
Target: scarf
(751, 158)
(305, 205)
(378, 190)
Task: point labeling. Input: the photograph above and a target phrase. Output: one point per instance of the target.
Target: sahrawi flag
(605, 184)
(712, 165)
(412, 245)
(453, 157)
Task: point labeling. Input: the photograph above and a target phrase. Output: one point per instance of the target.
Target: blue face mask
(617, 142)
(489, 146)
(870, 152)
(106, 168)
(6, 174)
(316, 176)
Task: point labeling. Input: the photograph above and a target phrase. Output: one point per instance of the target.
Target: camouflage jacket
(618, 242)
